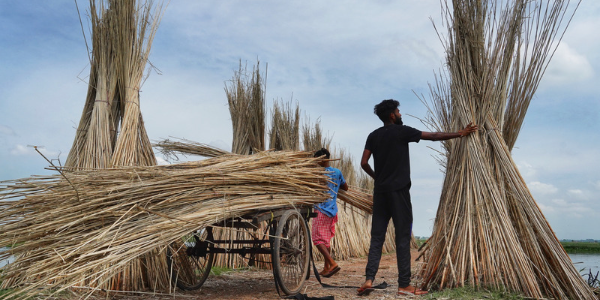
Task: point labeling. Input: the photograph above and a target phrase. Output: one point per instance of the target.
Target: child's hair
(322, 152)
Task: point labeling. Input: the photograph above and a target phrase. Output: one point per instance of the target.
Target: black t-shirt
(389, 146)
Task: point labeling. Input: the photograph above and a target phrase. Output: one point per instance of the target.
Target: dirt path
(259, 284)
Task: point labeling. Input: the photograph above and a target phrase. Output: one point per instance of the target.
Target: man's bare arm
(344, 186)
(364, 163)
(441, 136)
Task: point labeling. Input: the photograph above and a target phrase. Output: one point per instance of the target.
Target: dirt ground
(259, 284)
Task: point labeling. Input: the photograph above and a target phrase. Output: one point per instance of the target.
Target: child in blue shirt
(323, 226)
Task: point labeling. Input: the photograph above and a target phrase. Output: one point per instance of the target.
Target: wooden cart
(288, 242)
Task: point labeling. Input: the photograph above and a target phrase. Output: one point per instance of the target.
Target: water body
(3, 262)
(586, 262)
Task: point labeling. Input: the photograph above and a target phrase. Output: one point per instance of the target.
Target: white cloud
(526, 170)
(567, 208)
(575, 215)
(160, 161)
(5, 130)
(537, 187)
(20, 150)
(597, 184)
(579, 194)
(560, 202)
(563, 215)
(568, 66)
(546, 209)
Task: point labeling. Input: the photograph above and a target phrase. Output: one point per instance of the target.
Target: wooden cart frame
(288, 242)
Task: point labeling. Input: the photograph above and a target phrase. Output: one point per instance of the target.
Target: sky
(336, 59)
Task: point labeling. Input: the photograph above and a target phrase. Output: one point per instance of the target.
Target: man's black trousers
(395, 205)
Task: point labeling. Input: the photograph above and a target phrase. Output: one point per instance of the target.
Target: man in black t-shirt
(391, 198)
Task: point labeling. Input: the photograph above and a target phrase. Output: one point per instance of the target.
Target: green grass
(3, 293)
(15, 293)
(581, 247)
(218, 271)
(570, 247)
(466, 293)
(420, 241)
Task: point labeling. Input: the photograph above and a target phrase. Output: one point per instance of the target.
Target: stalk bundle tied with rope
(489, 231)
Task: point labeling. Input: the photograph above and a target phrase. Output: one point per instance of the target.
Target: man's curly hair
(385, 108)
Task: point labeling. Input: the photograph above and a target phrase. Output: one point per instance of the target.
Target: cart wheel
(291, 255)
(189, 260)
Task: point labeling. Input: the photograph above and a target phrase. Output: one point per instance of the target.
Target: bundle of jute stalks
(246, 99)
(111, 130)
(489, 231)
(84, 230)
(358, 198)
(285, 126)
(355, 206)
(355, 196)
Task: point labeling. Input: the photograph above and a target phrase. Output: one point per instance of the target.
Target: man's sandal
(365, 291)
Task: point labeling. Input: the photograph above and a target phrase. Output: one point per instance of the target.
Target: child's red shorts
(323, 228)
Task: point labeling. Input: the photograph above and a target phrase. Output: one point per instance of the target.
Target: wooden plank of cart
(285, 237)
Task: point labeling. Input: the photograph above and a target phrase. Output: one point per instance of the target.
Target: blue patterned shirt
(329, 207)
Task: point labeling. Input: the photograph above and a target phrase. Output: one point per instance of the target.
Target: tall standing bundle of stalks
(365, 181)
(313, 138)
(285, 127)
(246, 99)
(136, 25)
(109, 219)
(489, 230)
(98, 142)
(122, 32)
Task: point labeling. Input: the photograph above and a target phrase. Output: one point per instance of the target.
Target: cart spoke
(189, 260)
